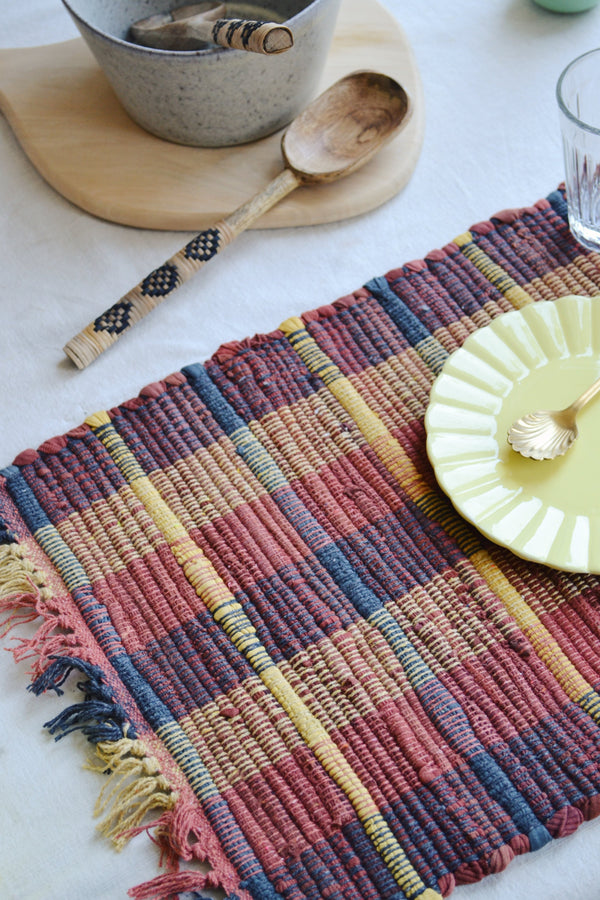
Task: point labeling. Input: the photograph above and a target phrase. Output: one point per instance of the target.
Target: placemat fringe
(22, 590)
(135, 785)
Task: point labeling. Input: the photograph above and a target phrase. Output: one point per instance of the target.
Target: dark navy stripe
(407, 322)
(559, 204)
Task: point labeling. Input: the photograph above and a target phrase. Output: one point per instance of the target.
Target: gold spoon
(335, 135)
(192, 27)
(547, 433)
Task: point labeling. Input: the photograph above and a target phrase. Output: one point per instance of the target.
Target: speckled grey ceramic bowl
(212, 97)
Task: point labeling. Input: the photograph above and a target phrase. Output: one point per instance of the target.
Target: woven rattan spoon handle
(100, 334)
(257, 37)
(187, 29)
(335, 135)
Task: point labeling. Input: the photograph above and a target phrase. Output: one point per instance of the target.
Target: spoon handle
(191, 32)
(100, 334)
(586, 396)
(257, 37)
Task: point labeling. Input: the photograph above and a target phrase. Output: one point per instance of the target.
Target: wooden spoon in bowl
(192, 27)
(335, 135)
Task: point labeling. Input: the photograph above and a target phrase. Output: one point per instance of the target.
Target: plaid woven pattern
(306, 673)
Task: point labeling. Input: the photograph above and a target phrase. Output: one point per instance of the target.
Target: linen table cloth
(302, 672)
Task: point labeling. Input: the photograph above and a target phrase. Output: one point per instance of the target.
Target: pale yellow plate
(540, 357)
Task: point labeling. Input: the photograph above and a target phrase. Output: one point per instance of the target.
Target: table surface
(488, 68)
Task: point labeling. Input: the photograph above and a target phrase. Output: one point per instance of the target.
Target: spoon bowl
(335, 135)
(344, 127)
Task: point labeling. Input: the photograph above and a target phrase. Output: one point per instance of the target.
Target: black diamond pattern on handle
(160, 282)
(116, 319)
(204, 246)
(248, 30)
(232, 26)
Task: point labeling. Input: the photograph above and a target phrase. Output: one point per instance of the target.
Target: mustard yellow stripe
(545, 646)
(334, 762)
(517, 295)
(376, 433)
(397, 461)
(205, 580)
(315, 360)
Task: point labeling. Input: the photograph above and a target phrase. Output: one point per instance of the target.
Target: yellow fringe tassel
(135, 786)
(18, 574)
(22, 586)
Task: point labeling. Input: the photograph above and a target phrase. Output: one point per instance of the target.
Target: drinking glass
(578, 96)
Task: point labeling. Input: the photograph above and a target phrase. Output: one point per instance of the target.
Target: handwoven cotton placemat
(301, 669)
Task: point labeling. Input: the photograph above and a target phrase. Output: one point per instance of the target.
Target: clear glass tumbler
(578, 96)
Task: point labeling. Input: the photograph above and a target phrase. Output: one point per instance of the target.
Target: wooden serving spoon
(191, 27)
(335, 135)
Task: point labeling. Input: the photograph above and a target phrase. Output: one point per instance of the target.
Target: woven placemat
(301, 670)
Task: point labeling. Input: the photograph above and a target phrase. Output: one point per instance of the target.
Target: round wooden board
(68, 121)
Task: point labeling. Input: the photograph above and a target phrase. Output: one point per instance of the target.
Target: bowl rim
(211, 52)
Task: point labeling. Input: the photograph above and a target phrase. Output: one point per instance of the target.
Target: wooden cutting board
(74, 131)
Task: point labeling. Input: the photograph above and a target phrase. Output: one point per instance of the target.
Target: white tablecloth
(489, 69)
